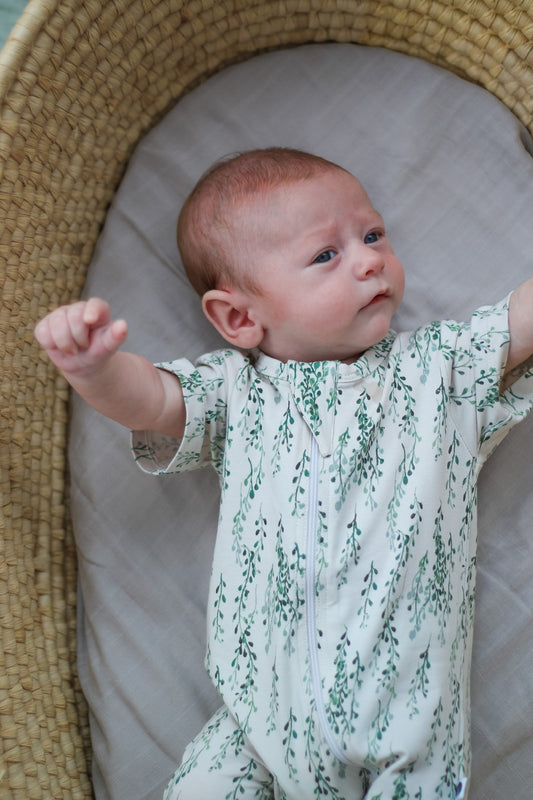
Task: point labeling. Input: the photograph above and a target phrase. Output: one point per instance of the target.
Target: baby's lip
(380, 295)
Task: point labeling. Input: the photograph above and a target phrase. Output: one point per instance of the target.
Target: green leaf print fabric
(342, 594)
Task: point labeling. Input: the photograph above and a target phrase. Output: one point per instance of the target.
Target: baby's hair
(204, 224)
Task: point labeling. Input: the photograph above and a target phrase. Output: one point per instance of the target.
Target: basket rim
(80, 81)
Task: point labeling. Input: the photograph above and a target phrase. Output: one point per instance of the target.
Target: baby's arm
(83, 342)
(520, 325)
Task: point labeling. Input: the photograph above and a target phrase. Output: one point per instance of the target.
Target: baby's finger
(62, 329)
(96, 312)
(79, 329)
(65, 328)
(53, 332)
(43, 334)
(110, 337)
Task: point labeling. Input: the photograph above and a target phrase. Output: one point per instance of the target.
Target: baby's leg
(220, 764)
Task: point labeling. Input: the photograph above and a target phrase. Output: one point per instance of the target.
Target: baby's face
(329, 280)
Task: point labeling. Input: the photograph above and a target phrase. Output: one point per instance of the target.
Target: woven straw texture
(80, 82)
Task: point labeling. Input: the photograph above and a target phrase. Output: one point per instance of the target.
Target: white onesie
(342, 593)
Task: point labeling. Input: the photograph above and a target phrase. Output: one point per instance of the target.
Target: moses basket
(80, 83)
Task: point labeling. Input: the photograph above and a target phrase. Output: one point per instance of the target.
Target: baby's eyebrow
(376, 219)
(323, 231)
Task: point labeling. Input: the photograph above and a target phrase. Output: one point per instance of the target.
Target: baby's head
(289, 255)
(212, 252)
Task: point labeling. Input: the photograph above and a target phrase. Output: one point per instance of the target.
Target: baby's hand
(81, 337)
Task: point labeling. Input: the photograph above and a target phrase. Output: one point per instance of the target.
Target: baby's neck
(347, 360)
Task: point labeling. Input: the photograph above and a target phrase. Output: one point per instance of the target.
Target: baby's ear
(228, 310)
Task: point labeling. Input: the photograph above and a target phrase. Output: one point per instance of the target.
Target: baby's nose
(369, 263)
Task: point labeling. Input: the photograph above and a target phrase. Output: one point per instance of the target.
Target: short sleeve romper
(342, 593)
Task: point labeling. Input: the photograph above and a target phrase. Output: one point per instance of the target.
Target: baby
(342, 592)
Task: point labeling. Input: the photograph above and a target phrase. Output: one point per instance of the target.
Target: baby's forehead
(320, 197)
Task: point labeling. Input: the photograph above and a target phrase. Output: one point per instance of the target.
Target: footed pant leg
(220, 764)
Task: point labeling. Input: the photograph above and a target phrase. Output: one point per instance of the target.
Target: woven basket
(80, 82)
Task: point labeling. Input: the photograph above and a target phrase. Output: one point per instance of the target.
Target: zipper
(310, 591)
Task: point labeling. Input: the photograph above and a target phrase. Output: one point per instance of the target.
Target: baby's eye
(372, 237)
(326, 255)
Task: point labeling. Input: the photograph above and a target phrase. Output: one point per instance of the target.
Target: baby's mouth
(378, 298)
